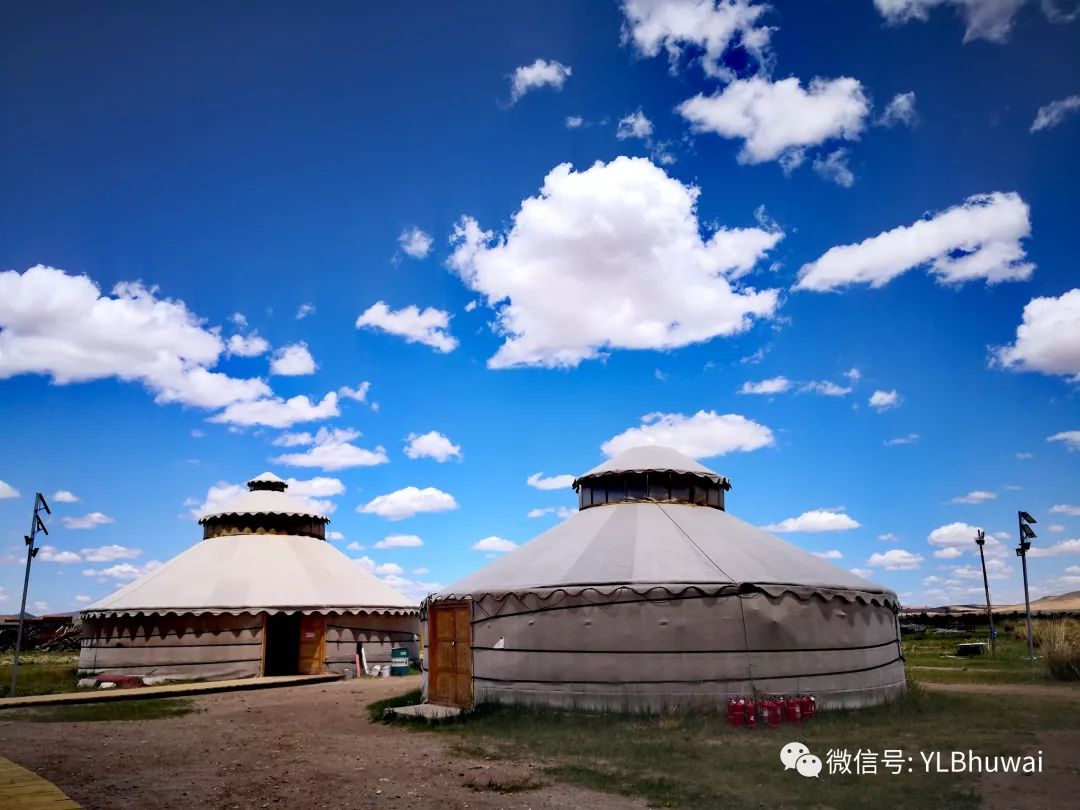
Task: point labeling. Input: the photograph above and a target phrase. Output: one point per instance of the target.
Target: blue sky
(610, 221)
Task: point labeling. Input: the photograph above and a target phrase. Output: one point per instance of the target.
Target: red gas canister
(781, 706)
(735, 712)
(812, 707)
(751, 713)
(792, 710)
(774, 713)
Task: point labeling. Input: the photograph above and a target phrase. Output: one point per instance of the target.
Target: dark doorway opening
(282, 644)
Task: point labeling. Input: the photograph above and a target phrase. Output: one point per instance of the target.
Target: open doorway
(282, 655)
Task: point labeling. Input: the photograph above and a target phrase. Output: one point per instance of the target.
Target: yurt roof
(670, 546)
(265, 501)
(266, 478)
(649, 458)
(256, 572)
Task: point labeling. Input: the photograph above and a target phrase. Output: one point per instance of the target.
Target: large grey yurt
(651, 596)
(263, 593)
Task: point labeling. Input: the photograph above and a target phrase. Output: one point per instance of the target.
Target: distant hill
(1062, 603)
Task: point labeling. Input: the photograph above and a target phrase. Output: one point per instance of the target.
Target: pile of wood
(66, 638)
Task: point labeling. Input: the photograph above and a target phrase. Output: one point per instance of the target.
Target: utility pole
(36, 525)
(1027, 534)
(980, 541)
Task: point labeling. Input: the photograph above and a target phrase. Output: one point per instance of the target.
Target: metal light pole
(1027, 534)
(36, 525)
(980, 541)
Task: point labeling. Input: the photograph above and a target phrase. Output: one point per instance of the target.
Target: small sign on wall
(309, 634)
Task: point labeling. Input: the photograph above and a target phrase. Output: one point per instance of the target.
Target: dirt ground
(308, 746)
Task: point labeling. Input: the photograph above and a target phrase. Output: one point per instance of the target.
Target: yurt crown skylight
(651, 475)
(265, 509)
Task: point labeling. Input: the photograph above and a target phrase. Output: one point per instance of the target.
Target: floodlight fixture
(980, 537)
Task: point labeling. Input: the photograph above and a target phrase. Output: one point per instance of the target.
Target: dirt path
(1026, 689)
(310, 747)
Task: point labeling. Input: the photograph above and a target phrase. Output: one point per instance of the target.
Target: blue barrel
(399, 661)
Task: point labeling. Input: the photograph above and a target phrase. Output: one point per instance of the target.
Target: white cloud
(239, 320)
(884, 400)
(1025, 456)
(1070, 438)
(895, 559)
(494, 544)
(279, 413)
(335, 536)
(1055, 112)
(538, 481)
(400, 541)
(318, 487)
(862, 572)
(1062, 547)
(774, 385)
(834, 166)
(53, 554)
(901, 110)
(420, 571)
(991, 20)
(995, 569)
(574, 121)
(354, 546)
(816, 520)
(7, 491)
(82, 600)
(110, 553)
(197, 434)
(88, 521)
(778, 119)
(63, 496)
(1048, 340)
(247, 345)
(62, 326)
(980, 238)
(635, 125)
(1055, 528)
(561, 512)
(704, 435)
(911, 438)
(359, 393)
(293, 360)
(122, 571)
(540, 73)
(332, 450)
(1065, 509)
(706, 29)
(888, 537)
(404, 503)
(429, 326)
(974, 497)
(953, 534)
(825, 389)
(432, 445)
(853, 374)
(218, 496)
(611, 257)
(304, 310)
(415, 242)
(293, 439)
(834, 554)
(948, 553)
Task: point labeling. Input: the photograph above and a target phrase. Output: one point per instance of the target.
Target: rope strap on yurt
(742, 612)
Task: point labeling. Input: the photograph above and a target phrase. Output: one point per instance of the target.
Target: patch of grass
(934, 659)
(694, 759)
(111, 710)
(377, 710)
(1059, 644)
(39, 678)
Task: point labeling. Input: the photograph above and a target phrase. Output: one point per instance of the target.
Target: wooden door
(450, 676)
(312, 645)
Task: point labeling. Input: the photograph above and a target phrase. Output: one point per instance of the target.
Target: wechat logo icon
(796, 755)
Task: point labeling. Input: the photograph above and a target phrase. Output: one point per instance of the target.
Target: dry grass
(1059, 646)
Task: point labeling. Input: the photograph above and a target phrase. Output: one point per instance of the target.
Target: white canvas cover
(253, 573)
(657, 544)
(652, 457)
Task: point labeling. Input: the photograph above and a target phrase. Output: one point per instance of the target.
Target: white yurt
(263, 593)
(651, 597)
